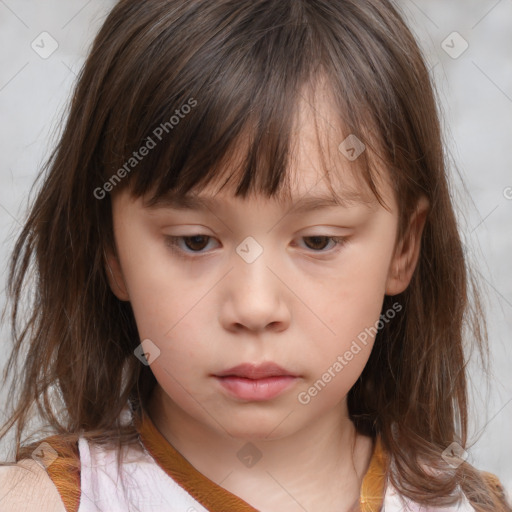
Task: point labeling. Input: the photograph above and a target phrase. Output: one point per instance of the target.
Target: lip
(256, 390)
(252, 382)
(255, 371)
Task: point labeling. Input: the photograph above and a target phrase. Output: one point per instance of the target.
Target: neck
(324, 462)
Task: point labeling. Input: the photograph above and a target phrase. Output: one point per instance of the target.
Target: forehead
(320, 173)
(310, 195)
(297, 201)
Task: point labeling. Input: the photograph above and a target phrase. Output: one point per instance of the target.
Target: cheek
(166, 305)
(349, 308)
(354, 296)
(338, 352)
(159, 297)
(170, 319)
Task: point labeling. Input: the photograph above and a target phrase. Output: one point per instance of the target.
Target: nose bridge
(259, 228)
(254, 289)
(257, 252)
(252, 261)
(251, 250)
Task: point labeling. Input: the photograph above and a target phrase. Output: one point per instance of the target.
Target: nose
(257, 295)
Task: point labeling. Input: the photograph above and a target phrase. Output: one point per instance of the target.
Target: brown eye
(318, 242)
(195, 245)
(192, 244)
(196, 242)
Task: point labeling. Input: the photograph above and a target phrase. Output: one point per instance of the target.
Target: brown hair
(240, 66)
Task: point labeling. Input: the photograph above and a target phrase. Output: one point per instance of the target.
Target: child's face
(301, 303)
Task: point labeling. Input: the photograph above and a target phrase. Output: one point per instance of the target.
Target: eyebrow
(299, 205)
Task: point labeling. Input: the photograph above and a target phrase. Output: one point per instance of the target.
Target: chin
(252, 429)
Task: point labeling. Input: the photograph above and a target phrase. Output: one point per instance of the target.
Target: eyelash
(172, 242)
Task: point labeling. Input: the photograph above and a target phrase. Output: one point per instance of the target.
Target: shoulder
(496, 493)
(48, 481)
(26, 486)
(497, 490)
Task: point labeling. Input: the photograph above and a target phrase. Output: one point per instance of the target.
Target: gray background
(475, 91)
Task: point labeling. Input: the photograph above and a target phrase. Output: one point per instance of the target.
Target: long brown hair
(189, 80)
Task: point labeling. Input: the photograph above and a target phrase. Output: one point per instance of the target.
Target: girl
(308, 355)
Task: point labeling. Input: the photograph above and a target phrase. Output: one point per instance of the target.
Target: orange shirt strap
(65, 472)
(212, 496)
(215, 498)
(373, 487)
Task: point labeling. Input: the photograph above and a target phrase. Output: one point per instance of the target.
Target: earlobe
(407, 251)
(115, 275)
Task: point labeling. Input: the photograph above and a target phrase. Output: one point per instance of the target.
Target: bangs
(257, 157)
(224, 109)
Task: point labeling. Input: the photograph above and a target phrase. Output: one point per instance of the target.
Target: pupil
(316, 239)
(194, 241)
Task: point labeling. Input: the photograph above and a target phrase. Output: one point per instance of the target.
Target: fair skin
(300, 304)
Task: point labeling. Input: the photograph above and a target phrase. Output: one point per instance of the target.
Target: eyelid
(171, 242)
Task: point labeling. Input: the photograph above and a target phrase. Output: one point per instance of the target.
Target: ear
(115, 275)
(407, 251)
